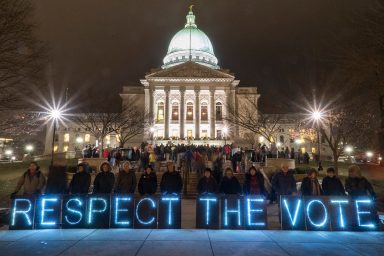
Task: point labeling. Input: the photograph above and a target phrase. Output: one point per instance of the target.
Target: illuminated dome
(190, 43)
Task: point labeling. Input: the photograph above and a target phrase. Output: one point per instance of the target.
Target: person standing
(310, 185)
(356, 185)
(332, 185)
(230, 185)
(126, 180)
(33, 181)
(105, 180)
(80, 181)
(207, 184)
(148, 182)
(254, 182)
(171, 182)
(284, 183)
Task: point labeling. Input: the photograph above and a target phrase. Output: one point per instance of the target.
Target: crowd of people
(283, 182)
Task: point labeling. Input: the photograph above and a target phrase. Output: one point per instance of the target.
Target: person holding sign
(284, 183)
(229, 184)
(32, 180)
(105, 180)
(148, 182)
(254, 182)
(356, 185)
(171, 182)
(126, 180)
(207, 184)
(80, 181)
(310, 185)
(332, 185)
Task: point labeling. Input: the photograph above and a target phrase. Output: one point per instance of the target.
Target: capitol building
(186, 101)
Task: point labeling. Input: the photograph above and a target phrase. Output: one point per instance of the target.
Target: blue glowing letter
(91, 210)
(117, 210)
(170, 199)
(322, 223)
(79, 203)
(293, 220)
(226, 211)
(358, 213)
(208, 203)
(43, 210)
(250, 210)
(342, 222)
(23, 212)
(151, 220)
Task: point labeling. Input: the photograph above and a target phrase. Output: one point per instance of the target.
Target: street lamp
(316, 117)
(29, 148)
(55, 115)
(79, 140)
(225, 131)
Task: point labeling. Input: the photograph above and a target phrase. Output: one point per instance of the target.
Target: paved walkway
(188, 242)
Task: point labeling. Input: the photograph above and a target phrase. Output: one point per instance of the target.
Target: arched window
(175, 111)
(160, 111)
(204, 112)
(219, 111)
(189, 111)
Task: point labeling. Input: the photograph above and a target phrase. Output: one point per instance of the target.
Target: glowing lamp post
(29, 148)
(316, 117)
(55, 115)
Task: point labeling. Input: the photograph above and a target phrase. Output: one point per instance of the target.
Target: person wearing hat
(104, 181)
(310, 185)
(126, 180)
(332, 185)
(171, 182)
(80, 181)
(207, 184)
(148, 182)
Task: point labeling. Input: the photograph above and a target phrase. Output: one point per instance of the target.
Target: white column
(182, 112)
(151, 106)
(166, 116)
(197, 113)
(213, 112)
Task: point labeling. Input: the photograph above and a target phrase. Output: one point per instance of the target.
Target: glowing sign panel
(122, 211)
(73, 211)
(98, 211)
(146, 212)
(292, 213)
(170, 211)
(48, 209)
(317, 213)
(207, 211)
(255, 212)
(21, 214)
(232, 212)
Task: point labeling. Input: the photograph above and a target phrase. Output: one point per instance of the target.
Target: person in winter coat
(148, 182)
(126, 180)
(80, 181)
(207, 184)
(284, 183)
(356, 185)
(230, 184)
(254, 182)
(33, 181)
(332, 185)
(171, 182)
(104, 181)
(310, 185)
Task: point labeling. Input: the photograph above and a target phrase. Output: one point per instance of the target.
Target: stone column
(151, 106)
(212, 115)
(234, 104)
(197, 113)
(166, 116)
(182, 112)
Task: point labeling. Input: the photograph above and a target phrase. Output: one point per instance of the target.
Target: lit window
(189, 111)
(87, 137)
(219, 111)
(204, 112)
(303, 150)
(189, 134)
(65, 149)
(314, 150)
(175, 133)
(66, 137)
(160, 111)
(204, 133)
(108, 139)
(55, 148)
(175, 111)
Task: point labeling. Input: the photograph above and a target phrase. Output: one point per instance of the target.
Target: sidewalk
(188, 242)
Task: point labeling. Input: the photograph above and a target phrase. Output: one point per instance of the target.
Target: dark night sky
(105, 44)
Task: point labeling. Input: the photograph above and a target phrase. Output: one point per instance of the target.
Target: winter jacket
(332, 186)
(284, 184)
(359, 187)
(32, 184)
(207, 185)
(103, 183)
(80, 183)
(260, 181)
(230, 185)
(147, 184)
(307, 187)
(126, 182)
(171, 183)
